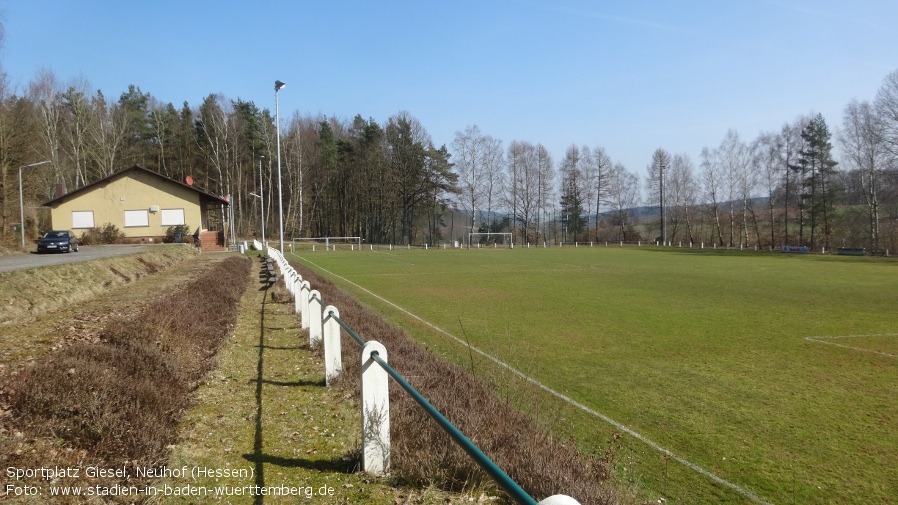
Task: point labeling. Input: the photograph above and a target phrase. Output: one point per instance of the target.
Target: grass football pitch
(731, 377)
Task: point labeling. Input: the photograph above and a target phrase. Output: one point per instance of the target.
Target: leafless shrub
(107, 233)
(423, 454)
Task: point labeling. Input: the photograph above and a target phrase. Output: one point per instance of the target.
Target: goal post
(325, 243)
(504, 238)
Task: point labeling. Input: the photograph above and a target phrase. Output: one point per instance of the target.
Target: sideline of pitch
(739, 489)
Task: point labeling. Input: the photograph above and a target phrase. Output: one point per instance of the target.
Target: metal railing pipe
(348, 329)
(511, 487)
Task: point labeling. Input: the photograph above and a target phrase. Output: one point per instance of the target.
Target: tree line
(785, 187)
(388, 183)
(385, 183)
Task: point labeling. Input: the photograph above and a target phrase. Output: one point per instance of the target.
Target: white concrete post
(304, 290)
(375, 411)
(297, 288)
(315, 306)
(559, 499)
(288, 280)
(333, 362)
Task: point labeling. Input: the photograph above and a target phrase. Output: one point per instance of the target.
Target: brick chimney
(59, 190)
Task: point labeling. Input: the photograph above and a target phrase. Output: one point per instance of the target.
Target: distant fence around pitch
(324, 325)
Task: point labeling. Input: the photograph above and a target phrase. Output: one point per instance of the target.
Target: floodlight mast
(663, 223)
(278, 85)
(261, 196)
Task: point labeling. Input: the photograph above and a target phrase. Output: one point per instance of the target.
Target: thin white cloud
(815, 10)
(626, 20)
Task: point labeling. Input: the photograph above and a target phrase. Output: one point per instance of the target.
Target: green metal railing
(502, 479)
(511, 487)
(347, 328)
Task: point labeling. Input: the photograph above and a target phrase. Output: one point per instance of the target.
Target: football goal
(326, 243)
(490, 238)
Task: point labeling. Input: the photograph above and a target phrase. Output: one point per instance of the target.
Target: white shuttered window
(172, 217)
(82, 219)
(135, 218)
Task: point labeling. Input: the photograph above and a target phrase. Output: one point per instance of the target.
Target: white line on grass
(391, 259)
(823, 340)
(739, 489)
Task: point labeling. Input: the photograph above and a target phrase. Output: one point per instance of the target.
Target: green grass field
(776, 373)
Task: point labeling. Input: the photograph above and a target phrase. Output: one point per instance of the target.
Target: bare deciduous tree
(493, 175)
(683, 195)
(597, 168)
(76, 134)
(623, 195)
(866, 151)
(655, 182)
(767, 157)
(45, 94)
(712, 184)
(886, 105)
(468, 160)
(108, 128)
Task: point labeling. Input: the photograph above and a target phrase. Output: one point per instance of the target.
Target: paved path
(85, 253)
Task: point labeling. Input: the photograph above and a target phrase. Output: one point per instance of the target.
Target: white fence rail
(324, 325)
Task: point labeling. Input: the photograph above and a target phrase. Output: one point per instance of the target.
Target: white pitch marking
(820, 340)
(391, 259)
(739, 489)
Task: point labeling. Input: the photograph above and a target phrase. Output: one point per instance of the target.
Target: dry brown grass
(117, 402)
(30, 293)
(423, 454)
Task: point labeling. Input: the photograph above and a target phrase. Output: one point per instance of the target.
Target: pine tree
(572, 205)
(816, 167)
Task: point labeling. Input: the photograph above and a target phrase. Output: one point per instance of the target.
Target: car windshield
(56, 234)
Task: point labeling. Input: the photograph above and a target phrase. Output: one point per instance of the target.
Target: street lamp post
(22, 200)
(277, 119)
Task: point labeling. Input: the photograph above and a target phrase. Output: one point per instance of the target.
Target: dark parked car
(58, 241)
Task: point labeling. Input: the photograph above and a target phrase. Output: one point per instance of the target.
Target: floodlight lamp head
(278, 85)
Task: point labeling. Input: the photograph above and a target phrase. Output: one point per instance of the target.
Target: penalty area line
(720, 480)
(825, 340)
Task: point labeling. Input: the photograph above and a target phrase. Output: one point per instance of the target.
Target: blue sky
(629, 76)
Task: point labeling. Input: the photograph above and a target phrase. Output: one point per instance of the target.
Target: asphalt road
(85, 253)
